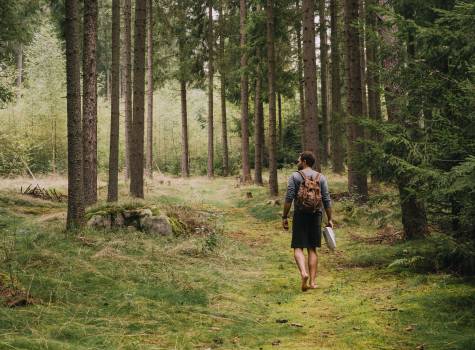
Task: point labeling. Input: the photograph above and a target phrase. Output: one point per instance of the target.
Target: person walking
(308, 190)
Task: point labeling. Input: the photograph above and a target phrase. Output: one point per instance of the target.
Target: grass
(224, 289)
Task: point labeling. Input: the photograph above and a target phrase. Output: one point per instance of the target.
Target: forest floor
(238, 289)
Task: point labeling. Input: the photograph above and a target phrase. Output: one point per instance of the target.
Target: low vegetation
(224, 280)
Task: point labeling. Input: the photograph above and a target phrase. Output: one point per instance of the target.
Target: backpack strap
(317, 178)
(302, 174)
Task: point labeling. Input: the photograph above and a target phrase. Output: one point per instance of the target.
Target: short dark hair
(308, 157)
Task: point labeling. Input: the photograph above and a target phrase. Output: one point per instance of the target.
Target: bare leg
(312, 266)
(300, 260)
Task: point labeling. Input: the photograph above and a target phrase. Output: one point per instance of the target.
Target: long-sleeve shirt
(296, 179)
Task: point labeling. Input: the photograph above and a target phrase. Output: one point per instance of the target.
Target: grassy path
(239, 290)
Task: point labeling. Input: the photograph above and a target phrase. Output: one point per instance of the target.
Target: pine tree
(298, 31)
(137, 150)
(246, 171)
(337, 127)
(222, 71)
(149, 148)
(311, 137)
(127, 76)
(357, 179)
(324, 80)
(185, 167)
(414, 217)
(258, 131)
(374, 98)
(273, 182)
(89, 120)
(75, 216)
(210, 169)
(113, 189)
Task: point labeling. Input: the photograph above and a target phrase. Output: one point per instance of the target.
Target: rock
(98, 222)
(131, 228)
(156, 225)
(128, 214)
(145, 212)
(119, 220)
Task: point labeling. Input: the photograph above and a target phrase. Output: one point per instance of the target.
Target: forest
(145, 151)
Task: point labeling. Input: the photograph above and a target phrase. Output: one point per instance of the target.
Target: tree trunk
(311, 137)
(357, 180)
(337, 127)
(246, 171)
(262, 131)
(324, 80)
(127, 75)
(113, 189)
(210, 92)
(300, 77)
(75, 216)
(374, 98)
(19, 65)
(108, 84)
(224, 128)
(89, 119)
(185, 170)
(362, 42)
(273, 181)
(258, 131)
(137, 151)
(149, 153)
(279, 114)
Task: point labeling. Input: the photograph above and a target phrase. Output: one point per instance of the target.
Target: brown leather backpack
(309, 196)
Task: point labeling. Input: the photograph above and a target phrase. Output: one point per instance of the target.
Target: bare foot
(313, 286)
(304, 283)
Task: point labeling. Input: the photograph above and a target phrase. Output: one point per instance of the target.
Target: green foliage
(429, 145)
(13, 155)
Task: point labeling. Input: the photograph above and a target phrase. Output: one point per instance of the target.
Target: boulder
(119, 220)
(145, 212)
(156, 225)
(99, 222)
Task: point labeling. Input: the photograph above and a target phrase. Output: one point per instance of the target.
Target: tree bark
(311, 137)
(337, 127)
(259, 129)
(298, 30)
(362, 42)
(324, 80)
(89, 119)
(127, 76)
(279, 113)
(149, 148)
(273, 181)
(19, 65)
(75, 216)
(374, 98)
(224, 128)
(210, 91)
(108, 84)
(137, 151)
(246, 171)
(357, 179)
(113, 189)
(185, 170)
(262, 131)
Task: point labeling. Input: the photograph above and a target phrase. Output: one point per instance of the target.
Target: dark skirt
(306, 230)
